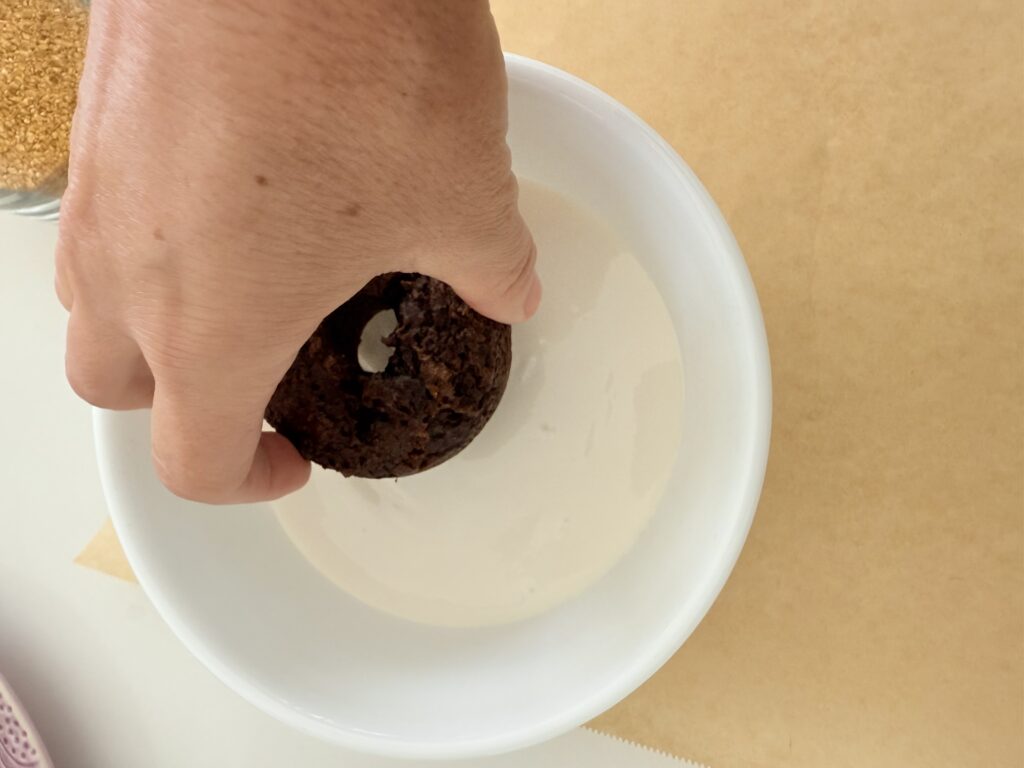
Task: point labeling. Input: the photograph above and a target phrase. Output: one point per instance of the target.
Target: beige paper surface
(104, 553)
(869, 157)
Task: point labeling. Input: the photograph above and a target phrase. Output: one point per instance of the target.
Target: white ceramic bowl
(237, 593)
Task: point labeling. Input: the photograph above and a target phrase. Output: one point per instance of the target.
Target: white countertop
(105, 681)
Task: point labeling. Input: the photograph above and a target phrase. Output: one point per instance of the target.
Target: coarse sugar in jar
(42, 44)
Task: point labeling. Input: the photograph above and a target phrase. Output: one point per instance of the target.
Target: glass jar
(41, 203)
(42, 44)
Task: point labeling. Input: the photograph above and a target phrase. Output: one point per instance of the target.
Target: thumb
(496, 271)
(207, 442)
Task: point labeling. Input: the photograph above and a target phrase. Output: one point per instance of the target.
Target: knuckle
(63, 273)
(87, 384)
(521, 267)
(103, 390)
(512, 269)
(73, 211)
(63, 291)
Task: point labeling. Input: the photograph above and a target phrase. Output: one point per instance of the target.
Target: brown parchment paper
(869, 157)
(104, 553)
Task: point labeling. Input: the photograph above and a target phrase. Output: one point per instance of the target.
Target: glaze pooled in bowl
(559, 484)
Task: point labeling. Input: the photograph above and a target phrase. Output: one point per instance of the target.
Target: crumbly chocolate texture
(441, 385)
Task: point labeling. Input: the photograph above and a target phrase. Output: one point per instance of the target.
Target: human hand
(241, 168)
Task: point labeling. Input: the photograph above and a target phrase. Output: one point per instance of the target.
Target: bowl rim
(677, 631)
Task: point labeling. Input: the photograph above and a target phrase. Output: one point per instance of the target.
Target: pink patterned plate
(20, 745)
